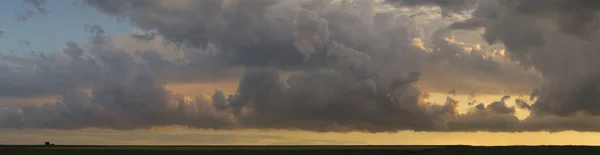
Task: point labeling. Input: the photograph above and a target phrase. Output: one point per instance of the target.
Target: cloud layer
(313, 65)
(558, 38)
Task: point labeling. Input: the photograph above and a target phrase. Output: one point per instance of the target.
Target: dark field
(312, 150)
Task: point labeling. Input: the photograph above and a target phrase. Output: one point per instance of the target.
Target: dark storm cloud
(332, 101)
(352, 69)
(338, 82)
(539, 34)
(558, 38)
(235, 31)
(286, 34)
(452, 64)
(575, 17)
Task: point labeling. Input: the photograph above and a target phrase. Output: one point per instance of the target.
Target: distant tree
(48, 144)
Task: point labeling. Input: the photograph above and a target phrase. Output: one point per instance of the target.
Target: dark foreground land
(311, 150)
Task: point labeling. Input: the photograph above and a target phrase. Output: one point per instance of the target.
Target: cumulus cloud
(119, 85)
(473, 67)
(266, 41)
(556, 37)
(308, 65)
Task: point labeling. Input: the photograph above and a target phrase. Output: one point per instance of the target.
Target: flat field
(311, 150)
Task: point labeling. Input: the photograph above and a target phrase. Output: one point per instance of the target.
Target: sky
(50, 32)
(233, 72)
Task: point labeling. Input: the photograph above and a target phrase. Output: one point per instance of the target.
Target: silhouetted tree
(48, 144)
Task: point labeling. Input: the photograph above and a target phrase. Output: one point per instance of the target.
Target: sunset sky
(255, 72)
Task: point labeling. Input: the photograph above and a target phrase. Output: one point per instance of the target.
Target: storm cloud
(315, 65)
(556, 37)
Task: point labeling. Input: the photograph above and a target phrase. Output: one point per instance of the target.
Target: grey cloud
(97, 34)
(469, 24)
(1, 33)
(575, 17)
(352, 69)
(77, 68)
(49, 74)
(37, 4)
(469, 65)
(290, 36)
(339, 82)
(452, 92)
(534, 94)
(557, 38)
(262, 101)
(496, 107)
(73, 50)
(124, 86)
(494, 117)
(521, 103)
(561, 123)
(32, 8)
(448, 6)
(24, 42)
(331, 101)
(143, 36)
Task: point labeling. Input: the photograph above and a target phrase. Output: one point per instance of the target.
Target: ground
(312, 150)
